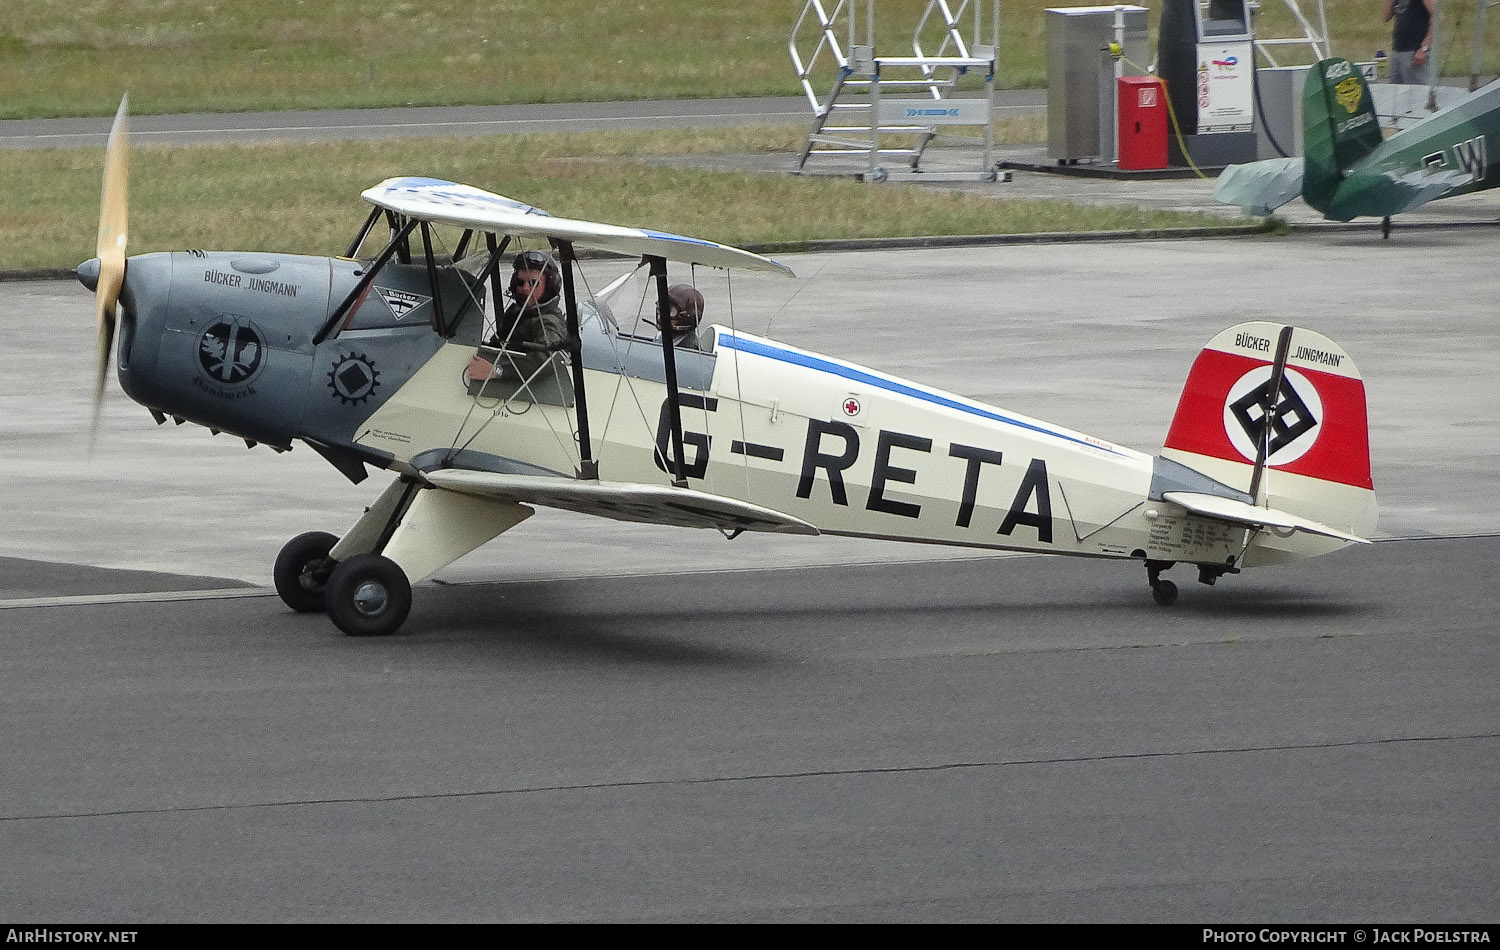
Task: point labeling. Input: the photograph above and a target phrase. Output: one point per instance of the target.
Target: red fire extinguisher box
(1142, 122)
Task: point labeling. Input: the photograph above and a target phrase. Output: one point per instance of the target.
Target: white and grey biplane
(365, 358)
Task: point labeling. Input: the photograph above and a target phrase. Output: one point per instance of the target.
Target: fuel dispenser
(1206, 55)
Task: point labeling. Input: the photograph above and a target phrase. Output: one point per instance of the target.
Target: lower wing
(621, 501)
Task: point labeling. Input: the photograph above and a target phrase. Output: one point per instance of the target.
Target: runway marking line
(148, 597)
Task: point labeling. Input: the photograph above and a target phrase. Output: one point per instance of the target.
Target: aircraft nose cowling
(88, 273)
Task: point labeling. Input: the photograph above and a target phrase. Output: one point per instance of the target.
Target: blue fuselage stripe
(757, 348)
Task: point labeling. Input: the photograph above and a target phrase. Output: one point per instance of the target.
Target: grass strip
(303, 198)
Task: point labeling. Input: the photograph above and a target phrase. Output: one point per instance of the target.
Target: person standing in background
(1411, 40)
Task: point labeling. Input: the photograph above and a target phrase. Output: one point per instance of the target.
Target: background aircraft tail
(1339, 127)
(1313, 460)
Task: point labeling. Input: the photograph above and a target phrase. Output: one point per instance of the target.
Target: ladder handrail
(1315, 39)
(826, 40)
(951, 34)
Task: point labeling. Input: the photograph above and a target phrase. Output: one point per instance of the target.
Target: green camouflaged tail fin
(1339, 127)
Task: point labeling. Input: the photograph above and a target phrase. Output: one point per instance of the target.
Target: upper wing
(1252, 516)
(649, 504)
(445, 202)
(1260, 187)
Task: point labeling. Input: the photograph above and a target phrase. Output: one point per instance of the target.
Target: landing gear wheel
(1385, 228)
(1164, 592)
(302, 569)
(368, 596)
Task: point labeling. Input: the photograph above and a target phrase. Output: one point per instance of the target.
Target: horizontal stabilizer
(1416, 188)
(648, 504)
(1260, 187)
(1251, 516)
(464, 206)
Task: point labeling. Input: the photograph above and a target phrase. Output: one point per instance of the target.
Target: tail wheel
(1164, 592)
(302, 571)
(368, 596)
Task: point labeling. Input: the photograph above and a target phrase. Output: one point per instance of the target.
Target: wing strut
(432, 278)
(462, 245)
(669, 359)
(1273, 402)
(588, 468)
(364, 282)
(493, 269)
(403, 249)
(364, 232)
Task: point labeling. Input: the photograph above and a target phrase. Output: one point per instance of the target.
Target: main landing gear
(366, 595)
(363, 579)
(302, 570)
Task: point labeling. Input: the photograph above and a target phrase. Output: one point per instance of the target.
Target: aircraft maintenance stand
(855, 119)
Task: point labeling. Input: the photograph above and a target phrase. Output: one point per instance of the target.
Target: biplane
(1351, 170)
(365, 358)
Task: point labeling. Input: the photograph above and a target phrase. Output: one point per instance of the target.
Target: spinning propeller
(110, 247)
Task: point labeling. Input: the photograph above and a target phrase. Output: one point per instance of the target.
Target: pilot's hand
(480, 369)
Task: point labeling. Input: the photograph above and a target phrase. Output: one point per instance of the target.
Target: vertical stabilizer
(1313, 436)
(1339, 127)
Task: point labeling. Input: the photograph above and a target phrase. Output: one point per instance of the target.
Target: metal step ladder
(1313, 36)
(856, 117)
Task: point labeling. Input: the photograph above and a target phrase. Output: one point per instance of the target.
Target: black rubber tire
(1165, 593)
(368, 596)
(302, 571)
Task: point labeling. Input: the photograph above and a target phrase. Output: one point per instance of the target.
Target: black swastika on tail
(1293, 418)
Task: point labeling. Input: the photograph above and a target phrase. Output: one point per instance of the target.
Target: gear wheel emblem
(353, 378)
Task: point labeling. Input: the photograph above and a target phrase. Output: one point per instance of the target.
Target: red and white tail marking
(1320, 430)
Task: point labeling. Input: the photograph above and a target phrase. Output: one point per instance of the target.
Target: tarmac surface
(1028, 740)
(587, 721)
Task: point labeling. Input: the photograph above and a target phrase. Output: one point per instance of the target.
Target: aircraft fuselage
(230, 341)
(848, 449)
